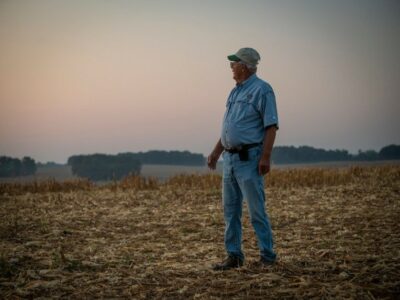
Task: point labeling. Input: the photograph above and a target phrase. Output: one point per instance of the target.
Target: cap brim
(233, 57)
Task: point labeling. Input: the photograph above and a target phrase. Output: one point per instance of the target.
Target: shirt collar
(247, 81)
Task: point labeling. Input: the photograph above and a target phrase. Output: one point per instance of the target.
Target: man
(248, 134)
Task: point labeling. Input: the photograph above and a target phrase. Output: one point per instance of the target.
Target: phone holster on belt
(244, 154)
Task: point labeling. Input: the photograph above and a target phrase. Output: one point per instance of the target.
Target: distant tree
(367, 155)
(104, 167)
(13, 167)
(390, 152)
(9, 167)
(28, 166)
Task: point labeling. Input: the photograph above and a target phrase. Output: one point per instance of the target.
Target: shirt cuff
(272, 125)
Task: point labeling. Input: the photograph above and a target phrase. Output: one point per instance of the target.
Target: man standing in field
(248, 134)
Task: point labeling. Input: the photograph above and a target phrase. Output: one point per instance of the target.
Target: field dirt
(337, 235)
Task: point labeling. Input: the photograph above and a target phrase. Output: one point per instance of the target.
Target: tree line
(104, 167)
(115, 167)
(108, 167)
(13, 167)
(306, 154)
(158, 157)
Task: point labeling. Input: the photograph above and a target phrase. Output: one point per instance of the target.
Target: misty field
(337, 235)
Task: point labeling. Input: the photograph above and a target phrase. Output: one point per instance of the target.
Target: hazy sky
(81, 77)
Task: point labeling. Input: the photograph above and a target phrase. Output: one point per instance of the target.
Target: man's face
(237, 69)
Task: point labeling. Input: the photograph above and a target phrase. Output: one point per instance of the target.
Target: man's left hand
(264, 166)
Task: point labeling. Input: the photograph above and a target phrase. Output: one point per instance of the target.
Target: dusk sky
(80, 77)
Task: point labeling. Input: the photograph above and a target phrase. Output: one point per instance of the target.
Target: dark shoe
(230, 262)
(266, 263)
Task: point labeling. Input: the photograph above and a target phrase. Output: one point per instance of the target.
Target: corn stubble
(337, 235)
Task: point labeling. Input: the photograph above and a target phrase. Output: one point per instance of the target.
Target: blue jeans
(241, 179)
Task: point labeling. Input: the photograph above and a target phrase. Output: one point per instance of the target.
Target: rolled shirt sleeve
(268, 109)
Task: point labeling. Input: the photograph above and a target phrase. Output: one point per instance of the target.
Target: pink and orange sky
(98, 76)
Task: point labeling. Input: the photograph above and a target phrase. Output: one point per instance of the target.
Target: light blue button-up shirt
(250, 108)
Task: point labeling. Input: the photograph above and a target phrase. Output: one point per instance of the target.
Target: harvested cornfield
(337, 235)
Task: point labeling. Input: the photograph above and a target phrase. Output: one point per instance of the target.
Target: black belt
(242, 147)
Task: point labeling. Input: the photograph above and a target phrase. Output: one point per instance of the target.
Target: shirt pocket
(244, 112)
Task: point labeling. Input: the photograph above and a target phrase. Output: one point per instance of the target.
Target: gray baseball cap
(247, 55)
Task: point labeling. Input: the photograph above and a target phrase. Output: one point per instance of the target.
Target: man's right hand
(212, 160)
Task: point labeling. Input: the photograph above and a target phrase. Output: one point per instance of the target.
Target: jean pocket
(255, 153)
